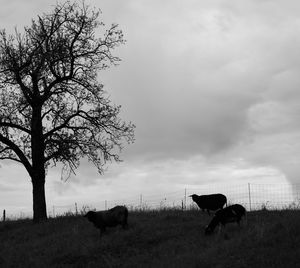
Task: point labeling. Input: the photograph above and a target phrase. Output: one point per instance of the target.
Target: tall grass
(168, 238)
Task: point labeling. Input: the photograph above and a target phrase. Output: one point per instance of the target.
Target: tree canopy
(53, 106)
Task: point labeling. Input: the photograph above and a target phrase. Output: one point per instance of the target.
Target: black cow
(108, 218)
(226, 215)
(210, 202)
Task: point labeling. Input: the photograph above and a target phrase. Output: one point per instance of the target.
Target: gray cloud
(194, 80)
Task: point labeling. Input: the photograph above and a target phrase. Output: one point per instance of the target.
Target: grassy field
(167, 238)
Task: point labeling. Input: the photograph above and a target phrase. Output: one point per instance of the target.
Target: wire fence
(253, 196)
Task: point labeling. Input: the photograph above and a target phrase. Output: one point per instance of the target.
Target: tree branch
(18, 152)
(15, 126)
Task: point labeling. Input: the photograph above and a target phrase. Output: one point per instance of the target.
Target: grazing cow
(229, 214)
(210, 202)
(109, 218)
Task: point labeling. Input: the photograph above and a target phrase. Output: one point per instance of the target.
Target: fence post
(185, 198)
(141, 201)
(76, 210)
(3, 215)
(249, 196)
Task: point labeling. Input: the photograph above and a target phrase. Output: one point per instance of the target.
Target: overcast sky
(213, 88)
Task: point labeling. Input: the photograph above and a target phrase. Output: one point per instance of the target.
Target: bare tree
(53, 109)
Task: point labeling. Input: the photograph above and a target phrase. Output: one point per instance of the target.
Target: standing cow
(210, 202)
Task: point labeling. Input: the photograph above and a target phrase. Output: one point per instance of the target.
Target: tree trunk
(39, 200)
(38, 174)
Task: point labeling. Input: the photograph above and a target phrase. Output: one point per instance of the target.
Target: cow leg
(220, 227)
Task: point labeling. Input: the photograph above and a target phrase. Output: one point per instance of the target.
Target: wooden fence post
(3, 215)
(76, 210)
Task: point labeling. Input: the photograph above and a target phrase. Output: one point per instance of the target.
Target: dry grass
(168, 238)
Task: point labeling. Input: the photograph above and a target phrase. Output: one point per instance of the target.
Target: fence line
(253, 196)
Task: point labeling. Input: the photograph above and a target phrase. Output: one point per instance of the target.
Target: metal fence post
(249, 196)
(185, 198)
(141, 201)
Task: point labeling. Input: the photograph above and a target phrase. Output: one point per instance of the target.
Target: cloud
(199, 81)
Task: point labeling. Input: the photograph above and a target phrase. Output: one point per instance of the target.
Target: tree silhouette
(53, 108)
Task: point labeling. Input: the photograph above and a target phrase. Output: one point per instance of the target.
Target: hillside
(154, 239)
